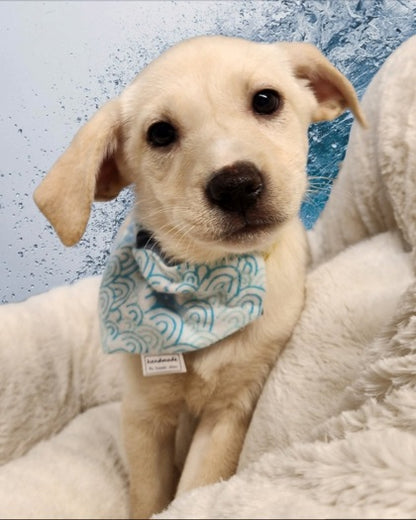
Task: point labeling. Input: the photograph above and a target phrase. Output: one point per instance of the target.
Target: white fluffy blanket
(334, 432)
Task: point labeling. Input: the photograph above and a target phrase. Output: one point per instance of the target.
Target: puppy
(213, 135)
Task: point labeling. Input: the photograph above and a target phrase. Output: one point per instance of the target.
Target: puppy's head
(213, 134)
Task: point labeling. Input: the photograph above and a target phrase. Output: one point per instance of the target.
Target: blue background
(60, 61)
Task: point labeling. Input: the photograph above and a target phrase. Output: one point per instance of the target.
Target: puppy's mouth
(248, 231)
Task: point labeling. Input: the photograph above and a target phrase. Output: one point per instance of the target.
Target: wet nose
(236, 187)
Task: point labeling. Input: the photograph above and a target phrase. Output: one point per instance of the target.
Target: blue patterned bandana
(151, 306)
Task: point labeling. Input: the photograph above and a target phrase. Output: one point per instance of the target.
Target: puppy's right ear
(87, 171)
(333, 92)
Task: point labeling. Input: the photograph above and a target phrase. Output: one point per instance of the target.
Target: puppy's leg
(184, 435)
(150, 411)
(215, 449)
(149, 445)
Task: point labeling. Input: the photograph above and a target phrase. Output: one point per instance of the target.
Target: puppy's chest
(230, 367)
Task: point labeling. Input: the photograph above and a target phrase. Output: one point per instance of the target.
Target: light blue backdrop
(61, 60)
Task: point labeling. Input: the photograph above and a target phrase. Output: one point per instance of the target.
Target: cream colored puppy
(213, 135)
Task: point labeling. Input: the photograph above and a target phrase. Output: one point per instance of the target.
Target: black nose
(236, 187)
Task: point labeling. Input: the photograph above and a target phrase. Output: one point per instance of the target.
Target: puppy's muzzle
(235, 188)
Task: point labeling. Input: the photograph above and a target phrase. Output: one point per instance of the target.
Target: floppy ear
(87, 171)
(332, 90)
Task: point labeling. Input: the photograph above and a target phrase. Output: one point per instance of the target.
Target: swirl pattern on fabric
(150, 306)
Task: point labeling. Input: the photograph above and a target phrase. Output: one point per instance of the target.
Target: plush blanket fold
(334, 432)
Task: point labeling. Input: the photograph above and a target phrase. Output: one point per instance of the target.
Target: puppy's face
(215, 143)
(213, 134)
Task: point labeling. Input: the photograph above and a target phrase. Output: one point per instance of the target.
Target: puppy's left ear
(333, 92)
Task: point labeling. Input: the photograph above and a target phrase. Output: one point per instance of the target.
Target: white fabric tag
(157, 365)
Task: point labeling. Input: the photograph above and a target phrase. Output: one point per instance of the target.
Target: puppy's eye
(266, 102)
(161, 134)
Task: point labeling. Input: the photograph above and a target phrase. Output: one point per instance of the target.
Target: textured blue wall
(62, 60)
